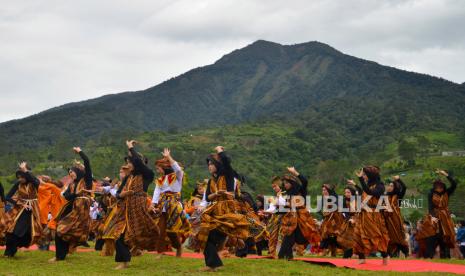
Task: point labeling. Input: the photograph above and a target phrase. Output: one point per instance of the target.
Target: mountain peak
(272, 52)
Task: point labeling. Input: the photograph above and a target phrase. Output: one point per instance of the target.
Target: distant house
(453, 153)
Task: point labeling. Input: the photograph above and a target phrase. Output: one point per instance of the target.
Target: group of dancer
(219, 218)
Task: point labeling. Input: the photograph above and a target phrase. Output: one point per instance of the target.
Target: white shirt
(280, 201)
(166, 187)
(110, 190)
(94, 211)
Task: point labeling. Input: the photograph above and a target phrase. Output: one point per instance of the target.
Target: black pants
(247, 249)
(286, 251)
(21, 236)
(123, 254)
(261, 245)
(432, 243)
(383, 254)
(61, 248)
(13, 242)
(215, 240)
(99, 244)
(348, 253)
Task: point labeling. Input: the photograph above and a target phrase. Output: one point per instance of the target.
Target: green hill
(271, 105)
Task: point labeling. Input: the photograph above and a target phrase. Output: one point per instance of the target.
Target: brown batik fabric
(370, 231)
(275, 239)
(223, 216)
(27, 195)
(446, 225)
(132, 217)
(331, 225)
(395, 225)
(74, 227)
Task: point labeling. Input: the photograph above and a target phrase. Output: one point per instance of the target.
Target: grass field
(90, 263)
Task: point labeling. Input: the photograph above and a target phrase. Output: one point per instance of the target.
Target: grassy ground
(35, 263)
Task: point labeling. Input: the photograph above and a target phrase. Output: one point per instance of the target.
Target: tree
(407, 151)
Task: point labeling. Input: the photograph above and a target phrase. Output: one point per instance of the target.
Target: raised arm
(402, 187)
(175, 166)
(30, 178)
(453, 185)
(88, 170)
(226, 161)
(140, 167)
(2, 193)
(303, 180)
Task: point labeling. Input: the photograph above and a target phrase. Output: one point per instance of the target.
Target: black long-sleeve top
(304, 186)
(377, 191)
(30, 180)
(140, 168)
(402, 189)
(71, 194)
(227, 171)
(2, 193)
(449, 191)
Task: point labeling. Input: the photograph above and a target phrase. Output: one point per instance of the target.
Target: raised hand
(23, 166)
(131, 144)
(166, 153)
(77, 149)
(351, 182)
(219, 149)
(442, 172)
(292, 171)
(359, 173)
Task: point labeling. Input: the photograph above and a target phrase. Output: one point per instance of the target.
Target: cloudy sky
(55, 52)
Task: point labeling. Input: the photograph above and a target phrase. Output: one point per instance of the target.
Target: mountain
(263, 81)
(271, 106)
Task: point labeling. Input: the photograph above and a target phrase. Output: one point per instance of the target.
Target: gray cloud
(54, 52)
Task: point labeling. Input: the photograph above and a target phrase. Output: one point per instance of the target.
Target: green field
(90, 263)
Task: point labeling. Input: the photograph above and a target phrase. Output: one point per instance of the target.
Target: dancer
(298, 225)
(332, 221)
(394, 221)
(370, 231)
(108, 202)
(257, 229)
(194, 208)
(346, 237)
(273, 226)
(21, 225)
(438, 203)
(131, 224)
(2, 201)
(261, 242)
(73, 220)
(50, 204)
(221, 218)
(167, 202)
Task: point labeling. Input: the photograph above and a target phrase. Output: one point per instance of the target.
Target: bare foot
(122, 266)
(52, 260)
(362, 261)
(207, 269)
